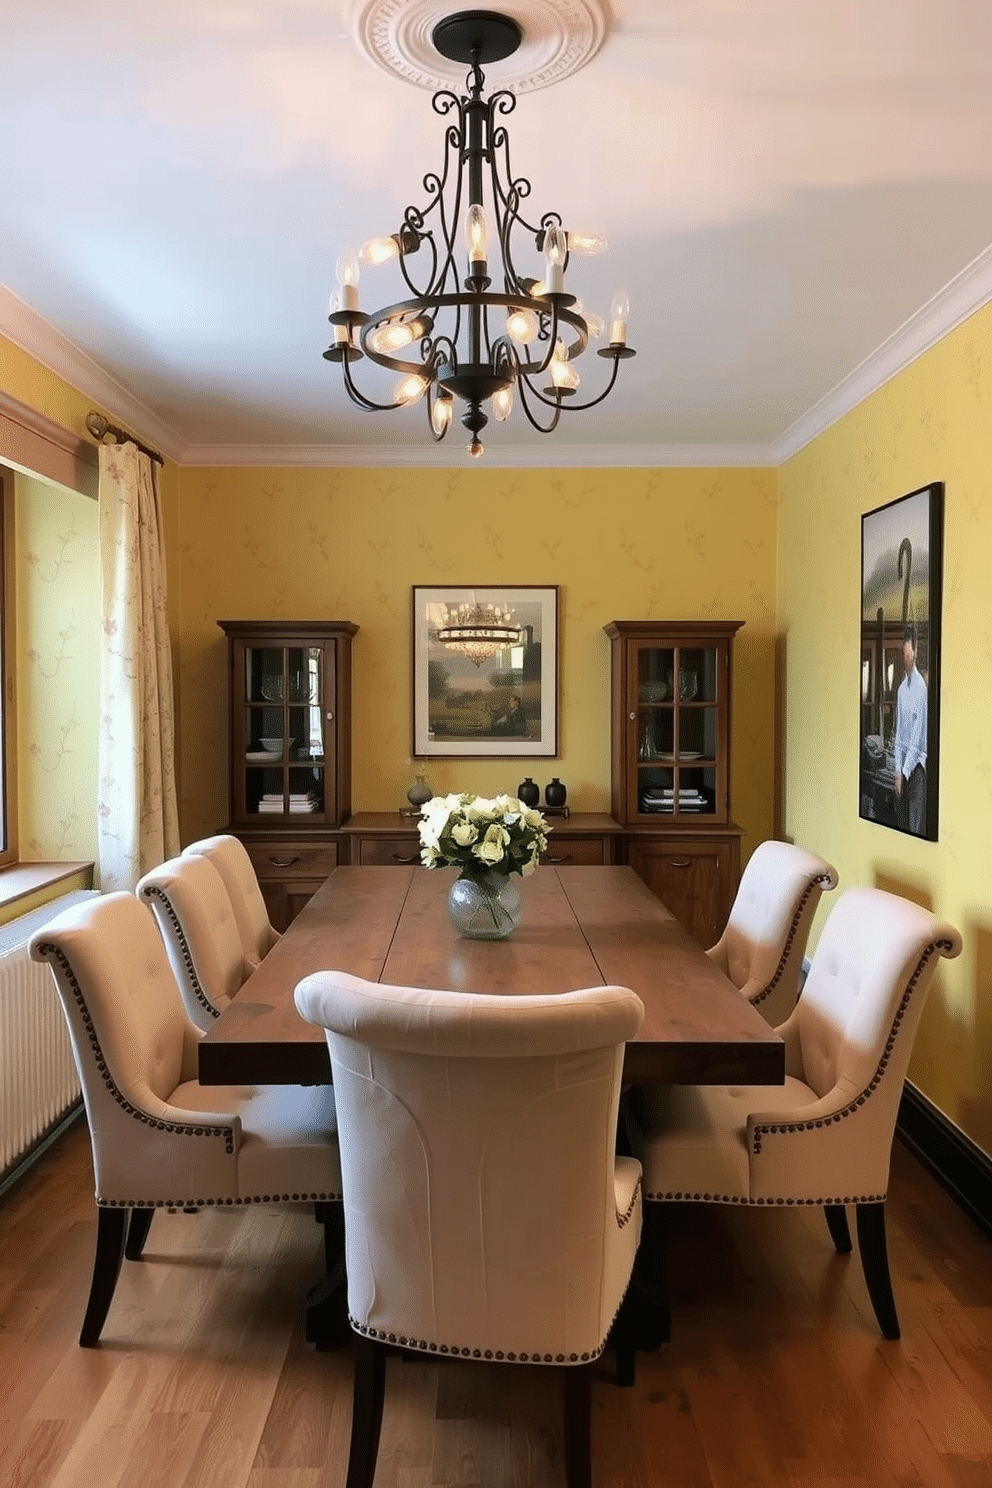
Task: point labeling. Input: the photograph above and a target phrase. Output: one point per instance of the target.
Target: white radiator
(38, 1082)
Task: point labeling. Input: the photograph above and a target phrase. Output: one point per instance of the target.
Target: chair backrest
(477, 1138)
(851, 1033)
(132, 1041)
(762, 947)
(194, 914)
(230, 858)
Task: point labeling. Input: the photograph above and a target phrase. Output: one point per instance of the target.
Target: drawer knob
(399, 858)
(564, 858)
(679, 862)
(284, 862)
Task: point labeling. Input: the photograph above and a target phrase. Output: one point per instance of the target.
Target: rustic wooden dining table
(581, 927)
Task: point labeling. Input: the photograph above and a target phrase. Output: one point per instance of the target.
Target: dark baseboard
(958, 1164)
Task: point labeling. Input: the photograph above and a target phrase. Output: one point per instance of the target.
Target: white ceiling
(798, 198)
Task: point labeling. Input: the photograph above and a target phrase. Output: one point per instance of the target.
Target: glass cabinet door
(285, 689)
(676, 702)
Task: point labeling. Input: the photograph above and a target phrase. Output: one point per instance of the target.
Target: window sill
(25, 886)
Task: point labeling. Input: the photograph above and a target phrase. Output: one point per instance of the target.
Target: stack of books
(663, 800)
(303, 801)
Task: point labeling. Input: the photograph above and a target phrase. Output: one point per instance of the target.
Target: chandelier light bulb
(586, 244)
(475, 233)
(555, 251)
(441, 414)
(563, 374)
(502, 404)
(410, 388)
(477, 449)
(379, 251)
(619, 314)
(348, 275)
(595, 324)
(393, 337)
(522, 326)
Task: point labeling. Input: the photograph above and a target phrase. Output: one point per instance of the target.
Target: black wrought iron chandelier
(472, 341)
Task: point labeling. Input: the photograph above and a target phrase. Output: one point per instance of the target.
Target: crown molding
(429, 456)
(950, 307)
(39, 338)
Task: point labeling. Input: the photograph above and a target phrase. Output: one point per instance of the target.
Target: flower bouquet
(486, 840)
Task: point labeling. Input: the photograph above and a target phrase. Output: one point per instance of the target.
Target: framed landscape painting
(901, 565)
(485, 671)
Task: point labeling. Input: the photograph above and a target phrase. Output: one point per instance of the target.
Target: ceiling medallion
(499, 334)
(558, 38)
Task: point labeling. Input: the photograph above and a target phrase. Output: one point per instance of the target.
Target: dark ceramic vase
(555, 794)
(529, 792)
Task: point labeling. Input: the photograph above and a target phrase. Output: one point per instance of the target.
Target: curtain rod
(100, 427)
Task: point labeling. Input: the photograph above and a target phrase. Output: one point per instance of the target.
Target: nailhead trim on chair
(153, 891)
(769, 988)
(225, 1203)
(456, 1351)
(227, 1132)
(625, 1218)
(713, 1198)
(777, 1127)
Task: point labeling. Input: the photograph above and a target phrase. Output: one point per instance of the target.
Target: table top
(581, 927)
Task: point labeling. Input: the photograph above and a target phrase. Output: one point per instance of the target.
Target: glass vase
(484, 906)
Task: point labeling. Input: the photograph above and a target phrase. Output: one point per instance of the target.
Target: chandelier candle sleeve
(499, 338)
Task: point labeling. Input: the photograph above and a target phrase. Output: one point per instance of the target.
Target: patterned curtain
(138, 816)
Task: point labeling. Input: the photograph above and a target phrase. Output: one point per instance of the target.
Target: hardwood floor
(776, 1373)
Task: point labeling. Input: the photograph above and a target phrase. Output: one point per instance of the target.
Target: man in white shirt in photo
(911, 742)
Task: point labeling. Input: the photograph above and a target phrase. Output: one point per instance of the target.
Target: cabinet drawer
(569, 851)
(385, 852)
(288, 859)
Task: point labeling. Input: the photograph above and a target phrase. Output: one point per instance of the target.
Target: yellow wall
(57, 671)
(931, 422)
(349, 544)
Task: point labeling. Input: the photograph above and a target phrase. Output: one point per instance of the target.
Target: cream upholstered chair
(230, 858)
(487, 1215)
(159, 1138)
(825, 1136)
(194, 913)
(762, 948)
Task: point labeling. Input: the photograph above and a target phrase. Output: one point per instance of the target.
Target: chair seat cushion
(692, 1139)
(288, 1147)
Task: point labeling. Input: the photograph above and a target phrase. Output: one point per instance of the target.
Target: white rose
(488, 852)
(480, 807)
(464, 833)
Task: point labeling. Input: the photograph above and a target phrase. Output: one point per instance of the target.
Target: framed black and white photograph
(485, 671)
(901, 565)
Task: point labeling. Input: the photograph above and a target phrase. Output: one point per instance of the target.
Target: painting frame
(900, 633)
(517, 682)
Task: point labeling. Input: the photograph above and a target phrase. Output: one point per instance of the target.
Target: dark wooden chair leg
(578, 1426)
(326, 1320)
(840, 1234)
(111, 1228)
(138, 1225)
(366, 1413)
(624, 1336)
(870, 1221)
(648, 1290)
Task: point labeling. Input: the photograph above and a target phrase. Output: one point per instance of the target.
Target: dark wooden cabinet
(289, 707)
(671, 752)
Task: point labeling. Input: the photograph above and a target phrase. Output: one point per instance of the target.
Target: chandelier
(474, 341)
(478, 630)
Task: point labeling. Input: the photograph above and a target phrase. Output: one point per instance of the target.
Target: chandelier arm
(523, 388)
(570, 407)
(360, 398)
